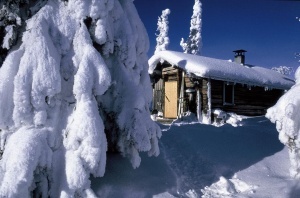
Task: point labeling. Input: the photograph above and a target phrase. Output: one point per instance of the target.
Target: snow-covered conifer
(285, 114)
(283, 70)
(162, 39)
(75, 85)
(194, 42)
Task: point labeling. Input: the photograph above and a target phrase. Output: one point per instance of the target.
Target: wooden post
(181, 97)
(199, 110)
(209, 101)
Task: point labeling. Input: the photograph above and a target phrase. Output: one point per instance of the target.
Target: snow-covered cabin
(184, 82)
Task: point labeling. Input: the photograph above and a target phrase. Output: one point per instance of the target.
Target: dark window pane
(229, 94)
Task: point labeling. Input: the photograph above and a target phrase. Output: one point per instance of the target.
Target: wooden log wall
(251, 101)
(170, 73)
(204, 96)
(188, 82)
(158, 96)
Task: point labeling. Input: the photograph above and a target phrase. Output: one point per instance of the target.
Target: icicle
(266, 88)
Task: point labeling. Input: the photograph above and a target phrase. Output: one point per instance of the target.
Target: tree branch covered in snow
(162, 39)
(285, 114)
(75, 86)
(283, 70)
(194, 42)
(13, 14)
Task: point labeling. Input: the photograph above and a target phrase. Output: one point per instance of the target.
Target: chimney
(239, 56)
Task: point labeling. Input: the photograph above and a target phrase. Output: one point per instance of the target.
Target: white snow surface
(200, 160)
(222, 70)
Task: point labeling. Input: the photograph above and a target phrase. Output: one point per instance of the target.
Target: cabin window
(228, 94)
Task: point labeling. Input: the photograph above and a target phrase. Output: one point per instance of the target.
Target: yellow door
(171, 99)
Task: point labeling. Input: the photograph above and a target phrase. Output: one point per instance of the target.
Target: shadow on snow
(192, 156)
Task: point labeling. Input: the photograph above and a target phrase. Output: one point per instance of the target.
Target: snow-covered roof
(222, 70)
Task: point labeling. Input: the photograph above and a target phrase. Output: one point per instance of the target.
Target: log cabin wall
(190, 98)
(250, 101)
(169, 74)
(204, 96)
(196, 83)
(158, 96)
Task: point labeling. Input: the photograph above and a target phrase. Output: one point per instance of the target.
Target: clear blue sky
(267, 29)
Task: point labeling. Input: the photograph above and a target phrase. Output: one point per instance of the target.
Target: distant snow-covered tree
(74, 85)
(162, 39)
(283, 70)
(194, 42)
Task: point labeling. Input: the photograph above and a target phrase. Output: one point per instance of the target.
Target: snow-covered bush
(194, 42)
(76, 85)
(286, 115)
(162, 39)
(283, 70)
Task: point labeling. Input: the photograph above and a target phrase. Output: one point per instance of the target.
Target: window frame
(225, 102)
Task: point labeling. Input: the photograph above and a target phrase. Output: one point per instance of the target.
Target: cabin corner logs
(176, 92)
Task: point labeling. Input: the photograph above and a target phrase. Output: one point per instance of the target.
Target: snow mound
(186, 118)
(226, 188)
(220, 118)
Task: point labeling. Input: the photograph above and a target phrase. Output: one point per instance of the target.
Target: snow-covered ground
(206, 161)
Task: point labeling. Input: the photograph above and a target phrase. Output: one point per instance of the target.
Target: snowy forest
(75, 100)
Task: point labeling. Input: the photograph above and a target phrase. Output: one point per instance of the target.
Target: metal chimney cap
(239, 51)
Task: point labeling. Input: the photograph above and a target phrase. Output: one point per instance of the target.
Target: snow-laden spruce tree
(194, 42)
(285, 114)
(73, 84)
(283, 70)
(162, 39)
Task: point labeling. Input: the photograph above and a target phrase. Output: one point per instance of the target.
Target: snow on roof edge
(222, 70)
